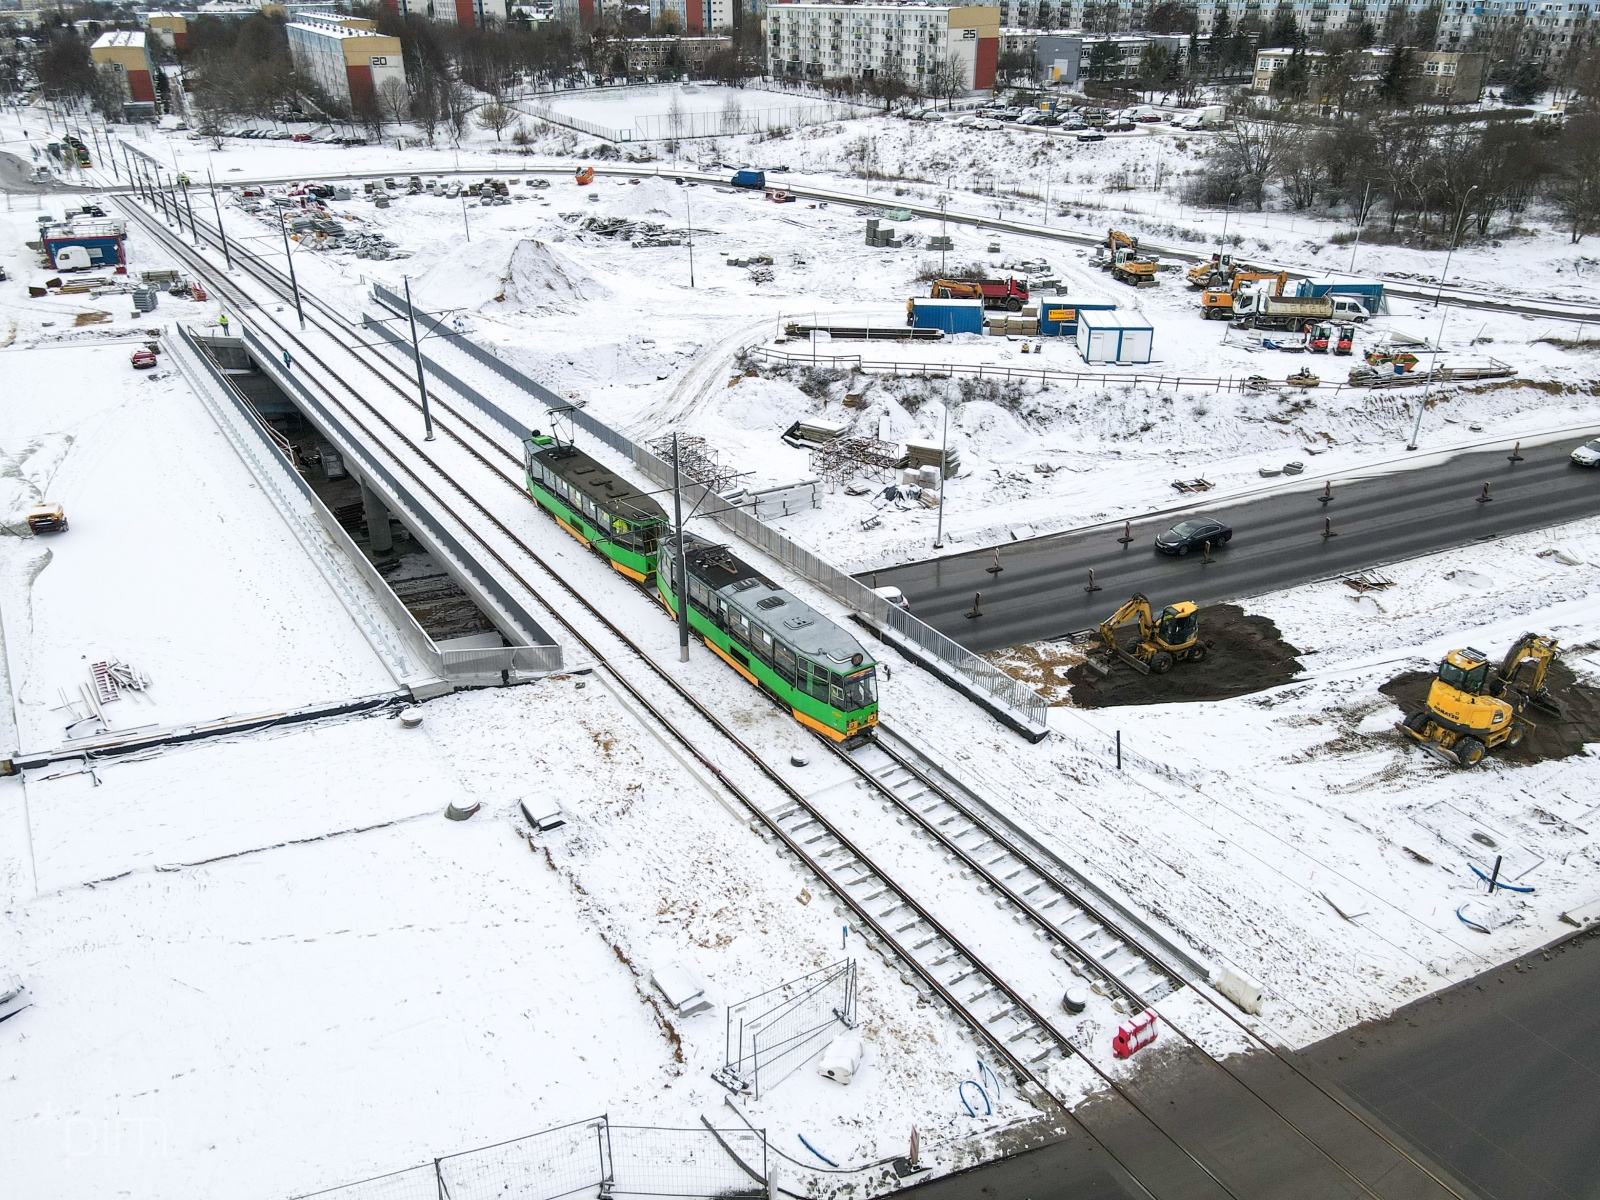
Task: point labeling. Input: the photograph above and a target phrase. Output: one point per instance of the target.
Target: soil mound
(1246, 654)
(540, 277)
(1551, 737)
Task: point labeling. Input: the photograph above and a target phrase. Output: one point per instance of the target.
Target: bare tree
(947, 79)
(456, 102)
(395, 97)
(1576, 186)
(496, 116)
(732, 115)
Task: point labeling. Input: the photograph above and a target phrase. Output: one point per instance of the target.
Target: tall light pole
(1361, 220)
(283, 224)
(1451, 248)
(1222, 246)
(689, 214)
(416, 353)
(227, 255)
(944, 462)
(1438, 349)
(680, 582)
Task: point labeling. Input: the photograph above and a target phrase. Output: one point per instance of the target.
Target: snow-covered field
(266, 964)
(687, 110)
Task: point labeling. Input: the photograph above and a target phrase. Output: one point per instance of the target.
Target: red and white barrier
(1133, 1036)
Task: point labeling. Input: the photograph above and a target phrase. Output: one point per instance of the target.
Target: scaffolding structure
(843, 459)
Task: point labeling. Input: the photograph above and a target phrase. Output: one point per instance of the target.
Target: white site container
(1110, 336)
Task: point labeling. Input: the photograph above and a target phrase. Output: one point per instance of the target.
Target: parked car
(302, 137)
(894, 596)
(1192, 535)
(143, 359)
(1091, 135)
(1587, 455)
(1120, 125)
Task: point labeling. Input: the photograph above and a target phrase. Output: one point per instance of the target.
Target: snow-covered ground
(687, 110)
(269, 963)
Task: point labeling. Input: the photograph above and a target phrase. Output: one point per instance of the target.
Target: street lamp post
(1361, 220)
(944, 462)
(283, 225)
(416, 352)
(689, 216)
(1222, 246)
(680, 575)
(1451, 248)
(222, 233)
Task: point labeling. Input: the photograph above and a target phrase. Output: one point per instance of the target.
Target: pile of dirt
(1551, 736)
(1245, 654)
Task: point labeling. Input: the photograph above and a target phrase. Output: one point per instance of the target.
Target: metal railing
(481, 665)
(266, 461)
(585, 1158)
(929, 370)
(981, 676)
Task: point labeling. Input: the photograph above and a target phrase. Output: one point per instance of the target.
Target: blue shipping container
(1058, 316)
(952, 316)
(750, 179)
(103, 251)
(1369, 294)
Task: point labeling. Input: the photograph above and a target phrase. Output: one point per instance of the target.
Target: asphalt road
(1497, 1077)
(1493, 1081)
(1277, 543)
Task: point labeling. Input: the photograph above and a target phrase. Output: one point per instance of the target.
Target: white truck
(1255, 307)
(1207, 116)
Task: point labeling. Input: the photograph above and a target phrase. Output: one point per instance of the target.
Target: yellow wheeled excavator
(1171, 638)
(1474, 707)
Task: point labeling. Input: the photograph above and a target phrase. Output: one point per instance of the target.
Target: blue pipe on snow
(984, 1070)
(815, 1151)
(1498, 886)
(961, 1093)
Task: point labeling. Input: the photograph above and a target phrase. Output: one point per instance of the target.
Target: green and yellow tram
(591, 502)
(775, 640)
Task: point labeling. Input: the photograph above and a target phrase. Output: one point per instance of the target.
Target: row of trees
(1419, 178)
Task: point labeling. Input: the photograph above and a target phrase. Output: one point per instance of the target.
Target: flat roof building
(346, 58)
(832, 41)
(469, 14)
(121, 56)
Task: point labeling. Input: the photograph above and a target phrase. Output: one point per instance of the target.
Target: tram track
(1025, 1038)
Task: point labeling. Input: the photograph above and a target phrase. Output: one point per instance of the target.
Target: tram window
(836, 696)
(763, 642)
(699, 593)
(819, 682)
(783, 660)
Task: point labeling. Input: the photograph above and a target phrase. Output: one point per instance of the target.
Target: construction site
(1213, 635)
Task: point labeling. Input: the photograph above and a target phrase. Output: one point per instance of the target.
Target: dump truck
(756, 180)
(1218, 304)
(1009, 294)
(1256, 307)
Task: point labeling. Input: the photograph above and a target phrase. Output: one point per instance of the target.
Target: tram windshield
(860, 690)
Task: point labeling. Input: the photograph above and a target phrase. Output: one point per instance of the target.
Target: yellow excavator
(1474, 707)
(1126, 263)
(1171, 638)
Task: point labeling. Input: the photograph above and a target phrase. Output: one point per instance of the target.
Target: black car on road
(1193, 534)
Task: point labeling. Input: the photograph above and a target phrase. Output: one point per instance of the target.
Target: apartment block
(829, 41)
(472, 14)
(122, 57)
(346, 57)
(1066, 57)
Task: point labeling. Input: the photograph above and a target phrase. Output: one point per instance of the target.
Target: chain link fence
(978, 676)
(591, 1158)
